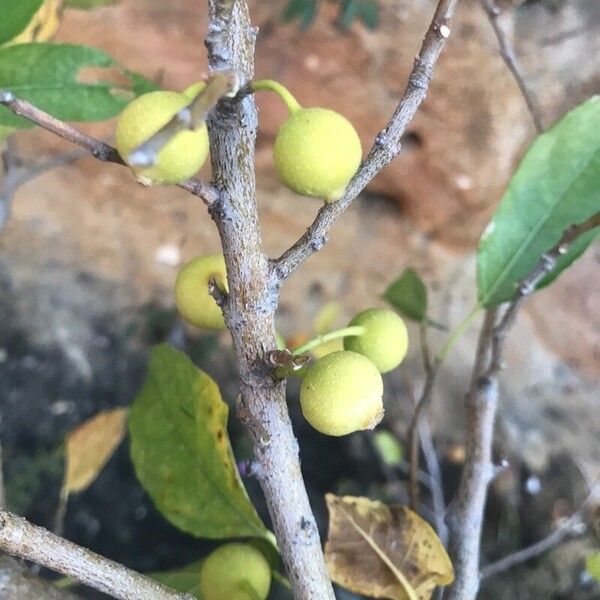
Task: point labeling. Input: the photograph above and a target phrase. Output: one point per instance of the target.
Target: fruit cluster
(316, 152)
(342, 391)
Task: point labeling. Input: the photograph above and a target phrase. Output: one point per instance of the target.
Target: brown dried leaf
(90, 445)
(384, 551)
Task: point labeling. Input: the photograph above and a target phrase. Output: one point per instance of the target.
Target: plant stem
(21, 538)
(442, 354)
(250, 306)
(273, 86)
(354, 330)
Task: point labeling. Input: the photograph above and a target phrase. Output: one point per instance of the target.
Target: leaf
(72, 83)
(349, 9)
(42, 26)
(556, 185)
(16, 14)
(388, 447)
(383, 551)
(305, 10)
(408, 295)
(90, 446)
(181, 451)
(185, 580)
(592, 565)
(369, 13)
(87, 4)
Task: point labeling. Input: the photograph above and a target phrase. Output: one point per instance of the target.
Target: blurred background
(89, 257)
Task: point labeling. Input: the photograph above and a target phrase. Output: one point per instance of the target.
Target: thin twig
(507, 52)
(20, 538)
(17, 582)
(97, 148)
(385, 148)
(466, 520)
(435, 476)
(430, 367)
(19, 174)
(544, 267)
(413, 433)
(569, 527)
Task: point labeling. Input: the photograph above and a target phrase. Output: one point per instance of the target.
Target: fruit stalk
(328, 337)
(249, 310)
(273, 86)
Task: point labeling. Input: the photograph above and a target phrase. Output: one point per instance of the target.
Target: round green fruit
(235, 572)
(193, 300)
(317, 152)
(385, 340)
(181, 157)
(342, 393)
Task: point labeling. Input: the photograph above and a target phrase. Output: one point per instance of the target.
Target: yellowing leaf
(89, 447)
(43, 26)
(383, 551)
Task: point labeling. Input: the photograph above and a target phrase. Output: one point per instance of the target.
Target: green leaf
(185, 580)
(369, 13)
(556, 185)
(72, 83)
(305, 10)
(181, 451)
(87, 4)
(408, 295)
(15, 16)
(592, 565)
(349, 9)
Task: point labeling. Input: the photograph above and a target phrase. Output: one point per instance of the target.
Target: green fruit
(342, 393)
(181, 157)
(385, 340)
(235, 572)
(317, 152)
(193, 300)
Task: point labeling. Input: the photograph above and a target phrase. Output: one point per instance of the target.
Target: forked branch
(384, 150)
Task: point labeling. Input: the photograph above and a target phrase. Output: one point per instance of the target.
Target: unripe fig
(317, 151)
(235, 572)
(342, 393)
(181, 157)
(385, 340)
(193, 300)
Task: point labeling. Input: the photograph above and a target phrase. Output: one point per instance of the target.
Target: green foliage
(556, 185)
(14, 17)
(72, 83)
(181, 451)
(185, 580)
(408, 295)
(305, 10)
(87, 4)
(366, 11)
